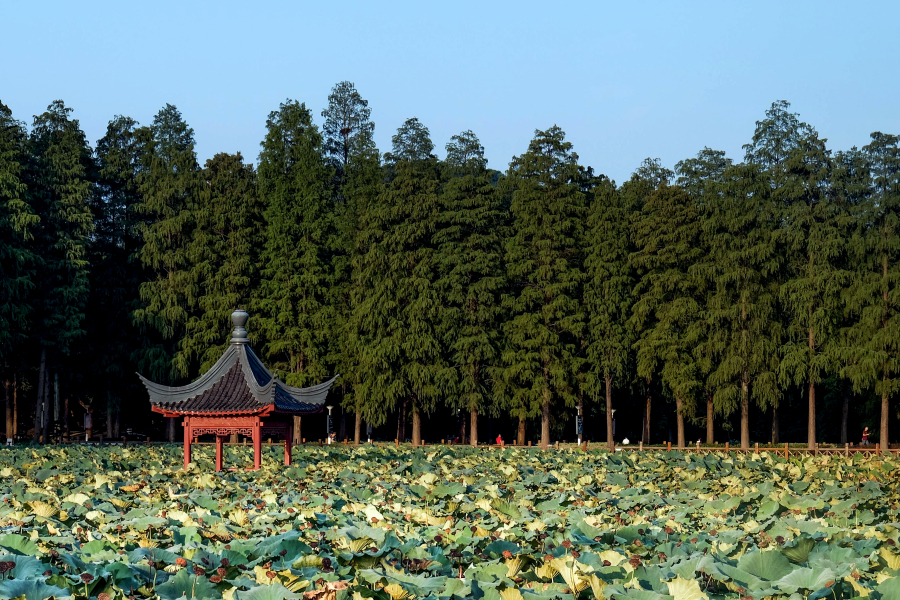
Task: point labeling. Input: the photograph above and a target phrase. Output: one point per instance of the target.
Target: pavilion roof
(239, 383)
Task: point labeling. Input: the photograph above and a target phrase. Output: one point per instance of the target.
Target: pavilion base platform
(253, 427)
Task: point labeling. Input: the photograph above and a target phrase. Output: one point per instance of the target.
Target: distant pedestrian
(499, 440)
(865, 437)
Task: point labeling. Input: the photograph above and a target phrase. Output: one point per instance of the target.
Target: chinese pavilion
(237, 395)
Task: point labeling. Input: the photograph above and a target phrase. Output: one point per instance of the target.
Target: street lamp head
(329, 407)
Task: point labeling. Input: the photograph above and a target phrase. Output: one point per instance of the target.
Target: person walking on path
(865, 437)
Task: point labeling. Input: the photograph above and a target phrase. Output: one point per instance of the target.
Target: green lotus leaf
(768, 566)
(32, 590)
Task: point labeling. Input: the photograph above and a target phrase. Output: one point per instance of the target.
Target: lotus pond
(438, 522)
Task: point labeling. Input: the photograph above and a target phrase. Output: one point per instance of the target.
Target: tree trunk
(845, 410)
(298, 430)
(170, 429)
(776, 430)
(545, 416)
(645, 434)
(710, 419)
(342, 428)
(679, 420)
(45, 418)
(66, 414)
(520, 436)
(15, 424)
(357, 428)
(883, 436)
(745, 413)
(110, 415)
(462, 429)
(40, 395)
(473, 426)
(7, 384)
(416, 425)
(610, 442)
(811, 423)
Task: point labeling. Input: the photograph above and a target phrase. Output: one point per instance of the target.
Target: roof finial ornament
(239, 335)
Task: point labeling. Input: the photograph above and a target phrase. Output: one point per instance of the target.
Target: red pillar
(257, 445)
(219, 441)
(188, 434)
(288, 442)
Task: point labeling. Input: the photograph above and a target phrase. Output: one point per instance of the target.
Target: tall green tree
(874, 336)
(701, 177)
(608, 295)
(224, 254)
(544, 265)
(294, 182)
(634, 193)
(669, 307)
(744, 327)
(397, 337)
(798, 166)
(116, 272)
(347, 130)
(170, 186)
(62, 189)
(18, 224)
(362, 185)
(470, 268)
(350, 149)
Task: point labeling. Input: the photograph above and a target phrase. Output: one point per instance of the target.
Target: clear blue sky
(625, 80)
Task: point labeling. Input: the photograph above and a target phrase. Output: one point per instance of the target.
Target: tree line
(433, 285)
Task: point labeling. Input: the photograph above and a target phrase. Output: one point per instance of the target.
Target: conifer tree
(544, 265)
(634, 194)
(62, 190)
(701, 177)
(115, 272)
(668, 311)
(18, 223)
(798, 165)
(225, 254)
(361, 187)
(294, 315)
(607, 294)
(347, 130)
(170, 186)
(744, 328)
(874, 336)
(396, 322)
(470, 274)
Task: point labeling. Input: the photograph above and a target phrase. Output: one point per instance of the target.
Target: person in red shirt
(499, 440)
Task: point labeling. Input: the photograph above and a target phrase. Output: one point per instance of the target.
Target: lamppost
(328, 424)
(579, 425)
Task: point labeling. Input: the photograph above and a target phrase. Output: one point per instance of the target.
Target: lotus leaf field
(440, 522)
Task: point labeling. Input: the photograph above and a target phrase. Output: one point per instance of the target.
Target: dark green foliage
(669, 308)
(544, 266)
(225, 254)
(347, 130)
(468, 243)
(742, 266)
(397, 307)
(62, 193)
(17, 225)
(170, 185)
(116, 272)
(607, 292)
(294, 317)
(874, 333)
